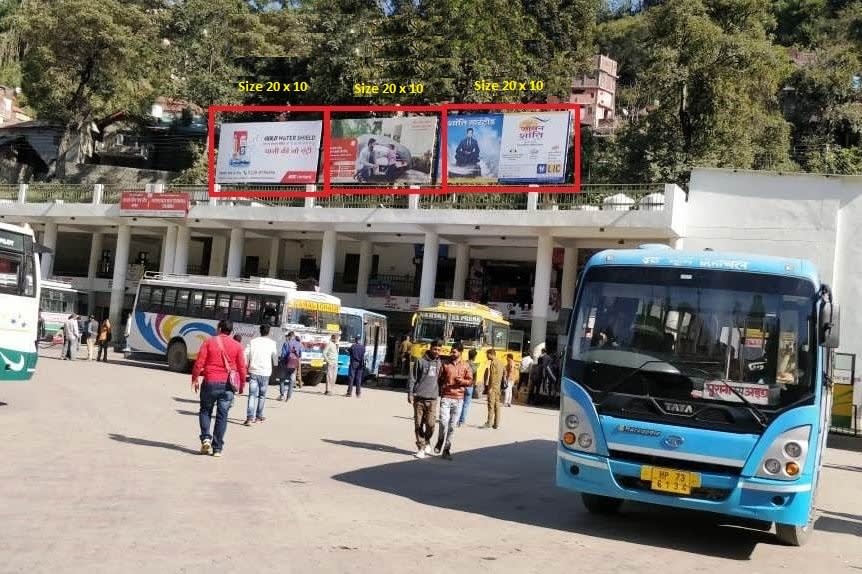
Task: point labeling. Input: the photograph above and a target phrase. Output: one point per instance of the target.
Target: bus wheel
(178, 358)
(601, 504)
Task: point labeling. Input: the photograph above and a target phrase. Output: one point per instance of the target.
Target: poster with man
(269, 152)
(473, 148)
(383, 151)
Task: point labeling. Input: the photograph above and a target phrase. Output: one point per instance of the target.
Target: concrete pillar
(235, 252)
(274, 248)
(676, 243)
(542, 290)
(181, 258)
(93, 268)
(169, 249)
(22, 193)
(118, 285)
(429, 269)
(366, 256)
(327, 261)
(49, 240)
(219, 247)
(462, 264)
(570, 277)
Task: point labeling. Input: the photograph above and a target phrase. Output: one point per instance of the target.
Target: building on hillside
(10, 113)
(596, 92)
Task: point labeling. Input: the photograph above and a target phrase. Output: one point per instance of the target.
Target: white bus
(57, 302)
(174, 314)
(372, 330)
(19, 302)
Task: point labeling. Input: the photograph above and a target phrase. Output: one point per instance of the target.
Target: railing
(8, 193)
(516, 201)
(364, 201)
(380, 285)
(59, 193)
(639, 197)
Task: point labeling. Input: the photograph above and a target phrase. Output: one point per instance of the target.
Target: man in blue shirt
(357, 367)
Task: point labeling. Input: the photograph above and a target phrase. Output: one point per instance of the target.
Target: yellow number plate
(670, 480)
(316, 363)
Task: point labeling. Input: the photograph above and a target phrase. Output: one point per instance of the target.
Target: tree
(86, 59)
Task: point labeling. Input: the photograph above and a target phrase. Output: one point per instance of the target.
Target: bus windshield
(351, 326)
(467, 333)
(691, 333)
(316, 319)
(449, 328)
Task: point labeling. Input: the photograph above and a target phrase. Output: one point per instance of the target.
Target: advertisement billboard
(534, 147)
(474, 148)
(383, 150)
(269, 152)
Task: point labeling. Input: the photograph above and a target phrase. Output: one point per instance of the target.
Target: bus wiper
(619, 383)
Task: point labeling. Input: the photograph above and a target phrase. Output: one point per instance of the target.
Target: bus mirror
(830, 325)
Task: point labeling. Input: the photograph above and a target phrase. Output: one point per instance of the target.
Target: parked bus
(372, 330)
(57, 302)
(476, 326)
(174, 314)
(696, 380)
(19, 302)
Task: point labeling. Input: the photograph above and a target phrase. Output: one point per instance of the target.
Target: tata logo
(678, 408)
(673, 441)
(651, 260)
(638, 430)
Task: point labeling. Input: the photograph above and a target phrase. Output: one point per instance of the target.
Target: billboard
(534, 147)
(473, 145)
(383, 150)
(269, 152)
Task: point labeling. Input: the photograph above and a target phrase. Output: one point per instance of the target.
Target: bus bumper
(753, 498)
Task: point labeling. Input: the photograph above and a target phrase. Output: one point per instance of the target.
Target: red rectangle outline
(444, 187)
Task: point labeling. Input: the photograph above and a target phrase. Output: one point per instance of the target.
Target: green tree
(800, 22)
(86, 59)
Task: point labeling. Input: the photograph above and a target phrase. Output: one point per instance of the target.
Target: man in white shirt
(71, 335)
(526, 364)
(330, 357)
(260, 355)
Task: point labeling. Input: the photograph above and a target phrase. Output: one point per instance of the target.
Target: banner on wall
(269, 152)
(383, 150)
(473, 148)
(534, 147)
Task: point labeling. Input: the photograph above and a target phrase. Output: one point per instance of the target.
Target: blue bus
(698, 380)
(371, 328)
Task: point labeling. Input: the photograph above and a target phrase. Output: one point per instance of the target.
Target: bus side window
(196, 304)
(144, 298)
(156, 299)
(182, 302)
(209, 307)
(237, 307)
(170, 301)
(223, 306)
(271, 311)
(252, 310)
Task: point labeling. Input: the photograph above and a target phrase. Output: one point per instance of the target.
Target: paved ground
(99, 473)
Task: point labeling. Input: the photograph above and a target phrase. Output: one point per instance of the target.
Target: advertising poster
(534, 147)
(269, 152)
(383, 150)
(473, 148)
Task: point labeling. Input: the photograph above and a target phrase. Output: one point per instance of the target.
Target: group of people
(86, 330)
(223, 367)
(542, 377)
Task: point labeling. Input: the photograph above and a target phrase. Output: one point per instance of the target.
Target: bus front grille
(676, 463)
(701, 493)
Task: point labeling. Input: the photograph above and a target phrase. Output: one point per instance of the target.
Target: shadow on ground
(151, 443)
(845, 442)
(515, 482)
(369, 446)
(840, 522)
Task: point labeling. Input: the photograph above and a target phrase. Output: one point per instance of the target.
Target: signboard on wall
(269, 152)
(158, 204)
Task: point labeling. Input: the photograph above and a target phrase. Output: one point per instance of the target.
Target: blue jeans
(286, 381)
(220, 396)
(468, 398)
(355, 377)
(256, 396)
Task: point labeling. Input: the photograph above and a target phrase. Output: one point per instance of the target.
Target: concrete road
(99, 472)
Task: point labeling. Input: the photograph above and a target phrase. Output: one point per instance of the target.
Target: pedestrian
(221, 360)
(297, 374)
(357, 367)
(493, 388)
(71, 334)
(83, 328)
(330, 357)
(399, 356)
(288, 360)
(510, 379)
(468, 391)
(422, 392)
(526, 365)
(406, 348)
(105, 333)
(537, 375)
(92, 336)
(455, 377)
(261, 355)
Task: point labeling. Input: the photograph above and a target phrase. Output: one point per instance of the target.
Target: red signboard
(156, 203)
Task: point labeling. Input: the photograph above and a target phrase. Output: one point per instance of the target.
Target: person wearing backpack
(221, 360)
(288, 361)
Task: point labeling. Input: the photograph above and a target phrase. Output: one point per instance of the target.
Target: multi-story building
(596, 92)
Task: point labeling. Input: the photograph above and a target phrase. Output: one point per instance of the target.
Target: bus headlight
(585, 440)
(573, 418)
(572, 421)
(785, 457)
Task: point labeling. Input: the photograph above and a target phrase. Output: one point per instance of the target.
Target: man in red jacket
(218, 355)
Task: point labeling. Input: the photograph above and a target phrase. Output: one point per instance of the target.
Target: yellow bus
(475, 325)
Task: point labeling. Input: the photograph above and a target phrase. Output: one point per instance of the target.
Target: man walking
(422, 392)
(330, 357)
(218, 357)
(71, 334)
(494, 388)
(468, 391)
(357, 367)
(105, 333)
(510, 379)
(288, 360)
(92, 334)
(454, 379)
(260, 355)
